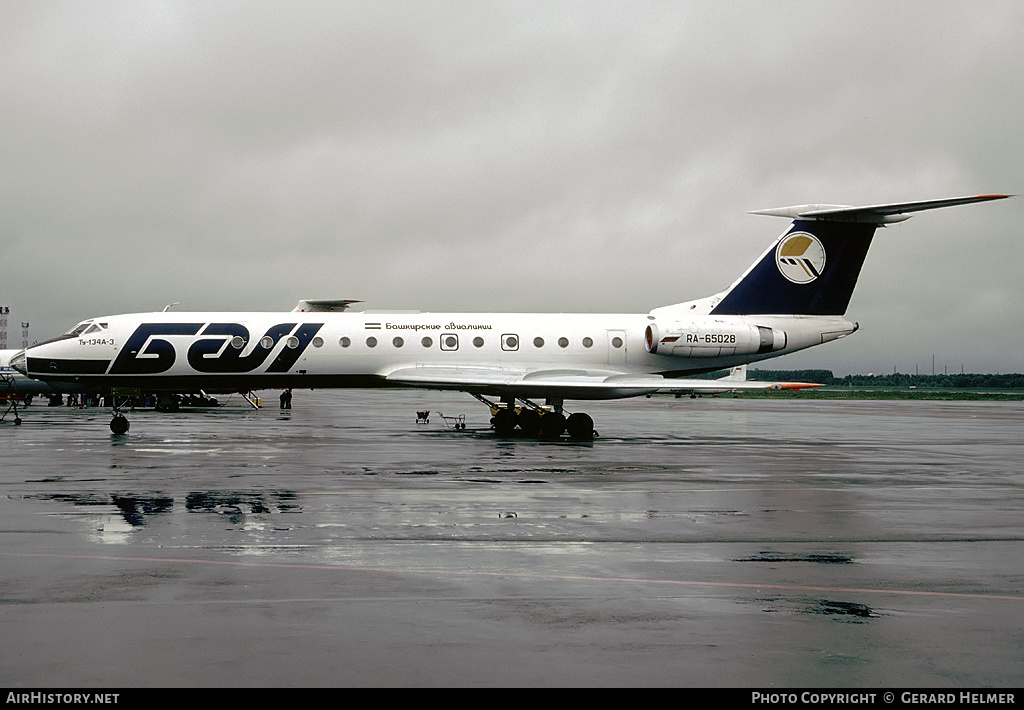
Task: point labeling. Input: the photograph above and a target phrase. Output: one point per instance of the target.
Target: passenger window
(588, 343)
(538, 342)
(371, 342)
(616, 342)
(427, 342)
(449, 341)
(344, 342)
(563, 342)
(266, 342)
(478, 342)
(398, 342)
(509, 341)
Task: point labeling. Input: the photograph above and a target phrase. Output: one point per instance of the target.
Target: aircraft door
(617, 347)
(450, 341)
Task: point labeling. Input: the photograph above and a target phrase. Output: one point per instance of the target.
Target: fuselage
(222, 352)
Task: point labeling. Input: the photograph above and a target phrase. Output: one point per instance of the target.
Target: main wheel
(504, 422)
(580, 426)
(552, 425)
(529, 422)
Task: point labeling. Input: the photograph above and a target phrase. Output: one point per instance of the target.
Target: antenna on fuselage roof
(169, 306)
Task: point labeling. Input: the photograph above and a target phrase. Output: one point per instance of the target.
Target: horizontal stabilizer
(871, 214)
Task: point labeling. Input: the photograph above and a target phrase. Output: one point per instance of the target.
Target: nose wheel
(119, 424)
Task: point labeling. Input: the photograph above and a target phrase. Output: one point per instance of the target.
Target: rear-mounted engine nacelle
(713, 339)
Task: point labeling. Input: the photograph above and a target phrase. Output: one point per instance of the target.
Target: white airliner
(793, 297)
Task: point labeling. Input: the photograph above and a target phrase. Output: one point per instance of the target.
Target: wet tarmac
(707, 542)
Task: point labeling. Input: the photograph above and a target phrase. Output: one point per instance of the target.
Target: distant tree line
(825, 377)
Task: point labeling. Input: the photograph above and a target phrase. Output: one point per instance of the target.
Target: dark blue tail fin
(810, 270)
(813, 268)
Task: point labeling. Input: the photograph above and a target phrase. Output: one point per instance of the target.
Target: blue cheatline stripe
(49, 366)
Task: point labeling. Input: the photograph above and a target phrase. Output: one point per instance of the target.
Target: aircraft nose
(19, 362)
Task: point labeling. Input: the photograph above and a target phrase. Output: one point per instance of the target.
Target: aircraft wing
(569, 383)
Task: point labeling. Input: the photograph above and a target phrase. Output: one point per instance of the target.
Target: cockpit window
(85, 327)
(78, 329)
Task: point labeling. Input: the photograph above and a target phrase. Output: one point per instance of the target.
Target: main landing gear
(534, 421)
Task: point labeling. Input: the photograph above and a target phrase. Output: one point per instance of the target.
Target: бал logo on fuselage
(217, 349)
(800, 257)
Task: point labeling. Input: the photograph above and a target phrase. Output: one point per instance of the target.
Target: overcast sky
(510, 156)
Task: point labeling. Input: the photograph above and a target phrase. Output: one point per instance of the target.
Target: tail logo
(800, 257)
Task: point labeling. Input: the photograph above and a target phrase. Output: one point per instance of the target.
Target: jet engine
(713, 339)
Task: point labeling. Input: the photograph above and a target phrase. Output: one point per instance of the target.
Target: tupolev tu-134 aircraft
(793, 297)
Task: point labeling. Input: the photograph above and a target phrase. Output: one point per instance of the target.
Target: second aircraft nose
(19, 362)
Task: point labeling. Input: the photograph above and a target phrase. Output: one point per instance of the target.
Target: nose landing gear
(119, 424)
